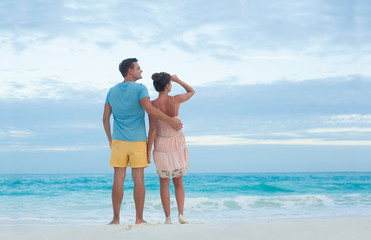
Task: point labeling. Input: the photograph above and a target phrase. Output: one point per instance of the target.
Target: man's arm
(153, 111)
(106, 122)
(151, 136)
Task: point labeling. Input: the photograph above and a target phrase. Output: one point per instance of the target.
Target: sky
(281, 86)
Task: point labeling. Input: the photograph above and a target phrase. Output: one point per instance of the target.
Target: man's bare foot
(182, 220)
(140, 221)
(114, 221)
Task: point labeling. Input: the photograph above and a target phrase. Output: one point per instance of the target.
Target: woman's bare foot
(182, 220)
(168, 220)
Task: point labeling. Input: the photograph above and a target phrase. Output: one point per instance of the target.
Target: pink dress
(170, 151)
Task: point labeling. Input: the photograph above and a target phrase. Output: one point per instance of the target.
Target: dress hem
(172, 174)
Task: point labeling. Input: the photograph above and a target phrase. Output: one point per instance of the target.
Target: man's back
(128, 113)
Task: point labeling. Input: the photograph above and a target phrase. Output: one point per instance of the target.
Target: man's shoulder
(131, 84)
(140, 86)
(128, 86)
(115, 86)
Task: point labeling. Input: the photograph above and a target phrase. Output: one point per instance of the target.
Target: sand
(326, 229)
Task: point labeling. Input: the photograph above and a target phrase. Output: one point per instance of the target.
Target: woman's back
(167, 105)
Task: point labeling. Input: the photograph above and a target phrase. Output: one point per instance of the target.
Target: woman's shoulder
(178, 98)
(157, 102)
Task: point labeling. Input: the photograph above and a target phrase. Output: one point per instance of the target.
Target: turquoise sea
(223, 198)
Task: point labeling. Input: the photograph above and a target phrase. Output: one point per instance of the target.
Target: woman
(170, 151)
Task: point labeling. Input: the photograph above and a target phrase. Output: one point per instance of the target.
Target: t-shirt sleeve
(143, 92)
(107, 98)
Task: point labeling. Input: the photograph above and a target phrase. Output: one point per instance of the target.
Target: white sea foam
(201, 209)
(250, 208)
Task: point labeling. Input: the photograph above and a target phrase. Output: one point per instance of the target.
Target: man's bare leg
(117, 193)
(139, 193)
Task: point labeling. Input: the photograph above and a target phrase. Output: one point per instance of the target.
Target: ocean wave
(272, 206)
(200, 209)
(284, 201)
(250, 202)
(84, 199)
(215, 185)
(270, 188)
(247, 208)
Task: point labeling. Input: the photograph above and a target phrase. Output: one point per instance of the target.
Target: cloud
(339, 97)
(48, 88)
(349, 119)
(277, 57)
(13, 132)
(52, 148)
(329, 111)
(225, 140)
(340, 130)
(78, 125)
(81, 42)
(19, 133)
(229, 27)
(314, 27)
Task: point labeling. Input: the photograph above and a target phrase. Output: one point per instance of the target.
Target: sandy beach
(326, 229)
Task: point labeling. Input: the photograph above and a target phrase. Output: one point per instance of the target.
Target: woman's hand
(175, 78)
(149, 157)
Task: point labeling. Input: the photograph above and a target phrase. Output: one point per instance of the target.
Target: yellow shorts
(132, 154)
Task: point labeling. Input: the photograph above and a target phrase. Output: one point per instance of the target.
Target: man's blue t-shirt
(128, 113)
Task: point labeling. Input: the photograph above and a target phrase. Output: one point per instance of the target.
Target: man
(127, 101)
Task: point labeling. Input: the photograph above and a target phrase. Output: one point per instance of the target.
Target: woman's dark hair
(160, 80)
(126, 64)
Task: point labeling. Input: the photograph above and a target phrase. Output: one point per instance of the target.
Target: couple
(127, 102)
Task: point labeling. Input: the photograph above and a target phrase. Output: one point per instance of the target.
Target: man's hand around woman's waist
(176, 123)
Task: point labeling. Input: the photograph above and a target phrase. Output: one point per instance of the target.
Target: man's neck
(129, 79)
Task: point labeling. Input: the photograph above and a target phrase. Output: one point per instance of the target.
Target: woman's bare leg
(179, 193)
(165, 195)
(180, 197)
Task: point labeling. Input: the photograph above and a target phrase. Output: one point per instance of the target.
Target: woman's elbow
(192, 93)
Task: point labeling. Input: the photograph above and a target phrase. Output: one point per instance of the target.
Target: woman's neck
(163, 93)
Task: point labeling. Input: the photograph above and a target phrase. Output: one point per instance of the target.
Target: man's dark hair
(126, 64)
